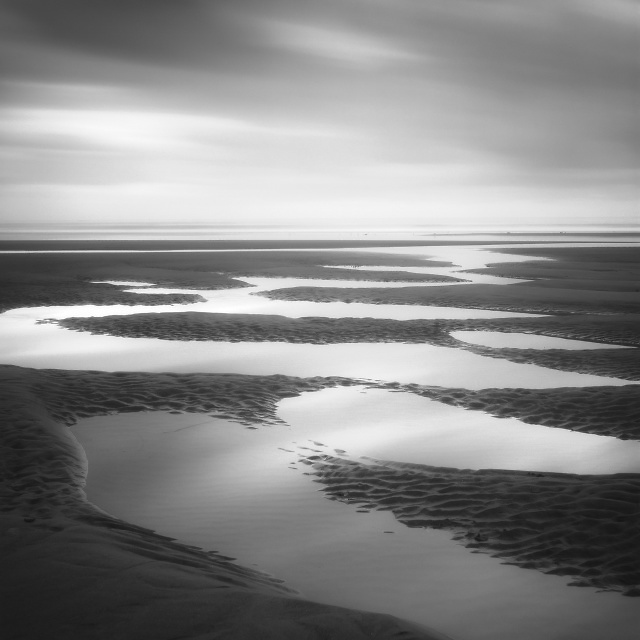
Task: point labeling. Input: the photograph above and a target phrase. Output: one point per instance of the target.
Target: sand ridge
(584, 527)
(620, 330)
(76, 293)
(520, 298)
(249, 400)
(588, 268)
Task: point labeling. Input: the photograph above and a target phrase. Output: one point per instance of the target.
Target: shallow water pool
(410, 428)
(217, 485)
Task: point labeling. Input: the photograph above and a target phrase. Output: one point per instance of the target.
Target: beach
(291, 414)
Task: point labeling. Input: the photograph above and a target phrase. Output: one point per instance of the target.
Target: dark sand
(522, 298)
(47, 279)
(590, 268)
(88, 575)
(619, 330)
(585, 527)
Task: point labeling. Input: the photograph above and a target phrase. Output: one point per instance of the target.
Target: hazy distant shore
(254, 243)
(228, 245)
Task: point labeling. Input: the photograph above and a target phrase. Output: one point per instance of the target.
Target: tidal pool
(218, 485)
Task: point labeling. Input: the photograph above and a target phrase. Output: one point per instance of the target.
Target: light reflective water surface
(218, 485)
(410, 428)
(49, 346)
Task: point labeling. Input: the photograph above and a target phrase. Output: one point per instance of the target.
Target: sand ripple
(616, 330)
(585, 527)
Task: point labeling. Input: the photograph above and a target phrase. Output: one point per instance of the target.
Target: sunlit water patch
(501, 340)
(410, 428)
(246, 300)
(462, 257)
(217, 485)
(50, 346)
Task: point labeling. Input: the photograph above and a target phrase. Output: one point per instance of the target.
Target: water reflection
(408, 428)
(246, 301)
(214, 484)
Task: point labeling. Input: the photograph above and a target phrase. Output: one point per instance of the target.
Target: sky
(362, 113)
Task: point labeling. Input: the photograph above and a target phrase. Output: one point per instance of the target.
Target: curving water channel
(24, 342)
(217, 485)
(49, 346)
(410, 428)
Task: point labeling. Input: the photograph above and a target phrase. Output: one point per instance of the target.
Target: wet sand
(42, 279)
(525, 299)
(67, 560)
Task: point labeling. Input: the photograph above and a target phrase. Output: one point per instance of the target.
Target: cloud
(119, 146)
(340, 45)
(552, 87)
(127, 129)
(528, 97)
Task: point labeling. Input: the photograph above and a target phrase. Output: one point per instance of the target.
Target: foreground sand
(70, 570)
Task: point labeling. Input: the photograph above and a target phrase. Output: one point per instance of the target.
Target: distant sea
(61, 231)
